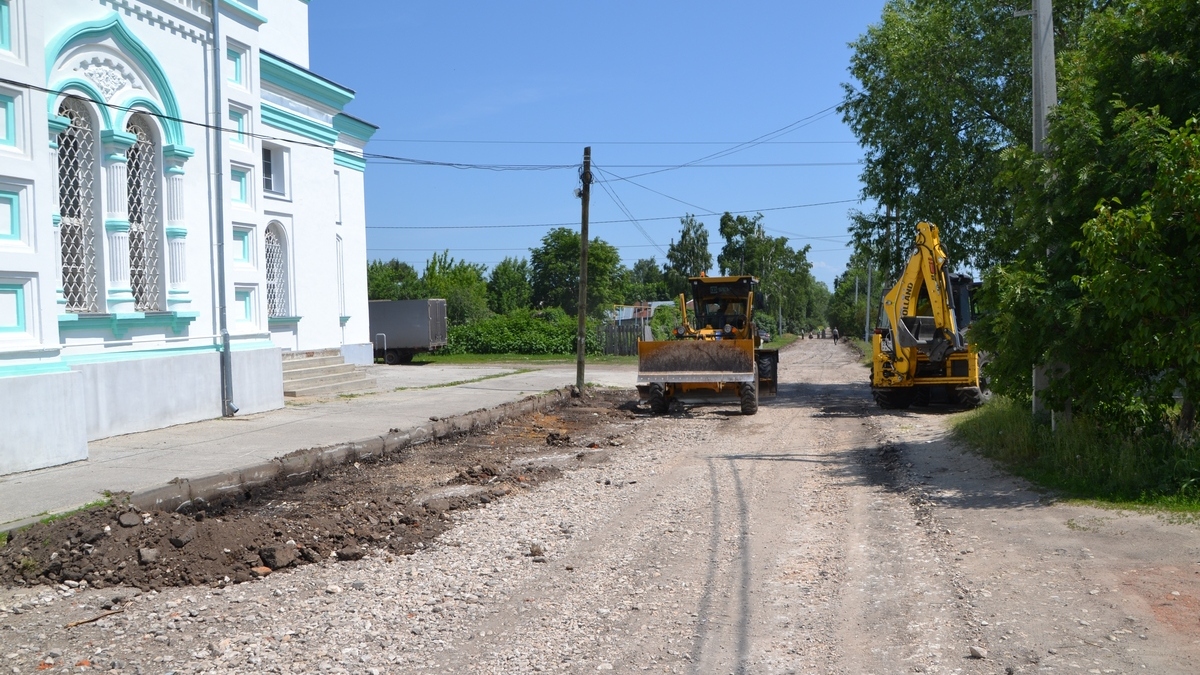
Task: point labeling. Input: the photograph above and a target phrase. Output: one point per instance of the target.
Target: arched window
(143, 217)
(76, 178)
(275, 248)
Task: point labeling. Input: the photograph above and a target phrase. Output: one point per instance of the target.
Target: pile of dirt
(390, 503)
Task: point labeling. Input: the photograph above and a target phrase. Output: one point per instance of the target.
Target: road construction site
(821, 535)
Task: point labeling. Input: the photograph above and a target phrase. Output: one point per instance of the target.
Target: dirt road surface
(821, 535)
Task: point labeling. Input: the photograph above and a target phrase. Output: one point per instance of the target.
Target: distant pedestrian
(835, 336)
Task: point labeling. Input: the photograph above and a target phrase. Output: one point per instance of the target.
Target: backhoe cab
(718, 359)
(920, 352)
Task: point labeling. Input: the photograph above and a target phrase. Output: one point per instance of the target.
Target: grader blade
(696, 361)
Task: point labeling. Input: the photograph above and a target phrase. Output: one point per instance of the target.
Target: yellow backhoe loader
(719, 359)
(920, 351)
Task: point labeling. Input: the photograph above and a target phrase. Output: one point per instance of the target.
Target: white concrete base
(257, 380)
(43, 421)
(359, 355)
(125, 396)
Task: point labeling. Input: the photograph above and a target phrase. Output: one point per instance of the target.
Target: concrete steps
(321, 373)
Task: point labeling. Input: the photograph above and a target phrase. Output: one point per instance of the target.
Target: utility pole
(585, 194)
(1045, 97)
(867, 322)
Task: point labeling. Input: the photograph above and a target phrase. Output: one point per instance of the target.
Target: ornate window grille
(277, 291)
(76, 176)
(143, 217)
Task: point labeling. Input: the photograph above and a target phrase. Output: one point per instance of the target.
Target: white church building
(181, 201)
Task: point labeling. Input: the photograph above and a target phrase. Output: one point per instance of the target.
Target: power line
(605, 222)
(612, 193)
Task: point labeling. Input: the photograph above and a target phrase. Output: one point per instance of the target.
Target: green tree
(508, 286)
(554, 272)
(941, 87)
(1139, 263)
(393, 280)
(689, 257)
(1088, 289)
(461, 283)
(645, 282)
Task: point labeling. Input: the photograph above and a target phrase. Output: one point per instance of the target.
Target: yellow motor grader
(718, 359)
(920, 352)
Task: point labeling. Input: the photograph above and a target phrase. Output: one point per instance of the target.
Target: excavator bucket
(695, 361)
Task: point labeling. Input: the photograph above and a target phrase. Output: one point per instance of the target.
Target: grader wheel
(658, 399)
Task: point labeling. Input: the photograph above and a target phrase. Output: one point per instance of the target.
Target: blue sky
(648, 84)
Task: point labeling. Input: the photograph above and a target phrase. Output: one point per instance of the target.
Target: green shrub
(521, 332)
(1087, 459)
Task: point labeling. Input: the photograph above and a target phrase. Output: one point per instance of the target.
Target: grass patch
(1086, 461)
(781, 341)
(470, 381)
(863, 348)
(98, 504)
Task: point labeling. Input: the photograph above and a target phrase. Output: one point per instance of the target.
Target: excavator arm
(934, 334)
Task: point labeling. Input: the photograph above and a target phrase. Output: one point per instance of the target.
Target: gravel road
(820, 536)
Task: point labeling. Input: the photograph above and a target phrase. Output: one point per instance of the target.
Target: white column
(178, 291)
(116, 220)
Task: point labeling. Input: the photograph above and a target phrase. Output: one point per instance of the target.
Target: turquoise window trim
(6, 25)
(14, 205)
(18, 290)
(246, 11)
(354, 127)
(136, 354)
(241, 178)
(27, 369)
(283, 320)
(85, 90)
(111, 26)
(120, 324)
(10, 120)
(297, 80)
(287, 120)
(349, 160)
(246, 300)
(235, 55)
(238, 118)
(343, 320)
(241, 240)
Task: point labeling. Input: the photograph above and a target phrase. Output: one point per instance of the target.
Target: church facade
(181, 200)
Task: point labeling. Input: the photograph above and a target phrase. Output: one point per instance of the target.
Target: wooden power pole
(585, 194)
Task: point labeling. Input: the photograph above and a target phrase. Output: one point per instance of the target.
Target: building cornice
(302, 82)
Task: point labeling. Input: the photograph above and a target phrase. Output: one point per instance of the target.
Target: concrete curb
(298, 466)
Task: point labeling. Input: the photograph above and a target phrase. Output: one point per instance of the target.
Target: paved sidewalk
(152, 458)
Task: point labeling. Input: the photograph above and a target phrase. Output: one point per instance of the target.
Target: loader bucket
(696, 361)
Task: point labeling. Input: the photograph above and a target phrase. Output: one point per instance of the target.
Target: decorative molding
(292, 78)
(354, 127)
(301, 126)
(120, 324)
(343, 320)
(111, 27)
(283, 320)
(109, 75)
(349, 160)
(116, 225)
(245, 12)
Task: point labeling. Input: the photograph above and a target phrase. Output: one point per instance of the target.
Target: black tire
(971, 397)
(921, 397)
(748, 392)
(890, 398)
(406, 356)
(392, 357)
(658, 399)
